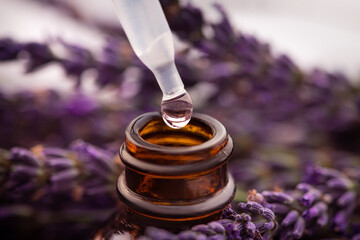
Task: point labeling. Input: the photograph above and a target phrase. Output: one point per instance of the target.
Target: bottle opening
(193, 134)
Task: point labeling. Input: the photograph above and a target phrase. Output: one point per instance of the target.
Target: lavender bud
(250, 228)
(267, 214)
(239, 218)
(279, 197)
(237, 229)
(59, 164)
(254, 207)
(39, 55)
(304, 187)
(217, 237)
(323, 219)
(346, 199)
(340, 222)
(94, 155)
(52, 152)
(24, 172)
(65, 176)
(202, 228)
(228, 213)
(339, 183)
(290, 218)
(328, 172)
(159, 234)
(299, 228)
(217, 227)
(246, 217)
(315, 210)
(190, 235)
(266, 226)
(8, 49)
(227, 223)
(278, 208)
(309, 197)
(23, 156)
(242, 206)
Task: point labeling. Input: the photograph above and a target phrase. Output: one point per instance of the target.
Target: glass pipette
(149, 34)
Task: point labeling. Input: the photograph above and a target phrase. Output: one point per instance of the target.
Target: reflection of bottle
(173, 178)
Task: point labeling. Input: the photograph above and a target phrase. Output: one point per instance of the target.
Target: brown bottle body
(175, 178)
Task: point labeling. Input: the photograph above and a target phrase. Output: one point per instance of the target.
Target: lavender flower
(313, 205)
(8, 50)
(55, 172)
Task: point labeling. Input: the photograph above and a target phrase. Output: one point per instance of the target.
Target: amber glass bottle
(174, 178)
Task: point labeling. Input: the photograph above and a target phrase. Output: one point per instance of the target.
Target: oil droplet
(177, 111)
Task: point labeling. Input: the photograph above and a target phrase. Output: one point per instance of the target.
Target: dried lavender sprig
(81, 173)
(231, 226)
(313, 206)
(75, 62)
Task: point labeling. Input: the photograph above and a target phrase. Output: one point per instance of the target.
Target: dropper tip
(177, 111)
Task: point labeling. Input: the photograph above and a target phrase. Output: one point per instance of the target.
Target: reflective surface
(177, 111)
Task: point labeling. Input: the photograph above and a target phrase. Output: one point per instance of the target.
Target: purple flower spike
(246, 217)
(227, 223)
(278, 208)
(254, 207)
(346, 199)
(39, 55)
(228, 213)
(328, 172)
(267, 214)
(237, 227)
(309, 197)
(190, 235)
(239, 218)
(279, 197)
(263, 227)
(24, 172)
(8, 49)
(202, 228)
(339, 183)
(58, 164)
(159, 234)
(217, 227)
(250, 228)
(242, 206)
(315, 211)
(304, 187)
(65, 176)
(290, 218)
(52, 152)
(340, 222)
(23, 156)
(217, 237)
(299, 228)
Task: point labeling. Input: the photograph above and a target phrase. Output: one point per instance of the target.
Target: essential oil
(176, 112)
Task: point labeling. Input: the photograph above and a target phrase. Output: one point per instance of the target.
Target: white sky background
(314, 33)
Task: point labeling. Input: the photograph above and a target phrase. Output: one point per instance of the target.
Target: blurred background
(324, 34)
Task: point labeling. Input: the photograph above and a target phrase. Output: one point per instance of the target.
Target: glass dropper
(149, 34)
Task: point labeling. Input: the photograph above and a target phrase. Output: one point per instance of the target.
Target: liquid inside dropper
(176, 112)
